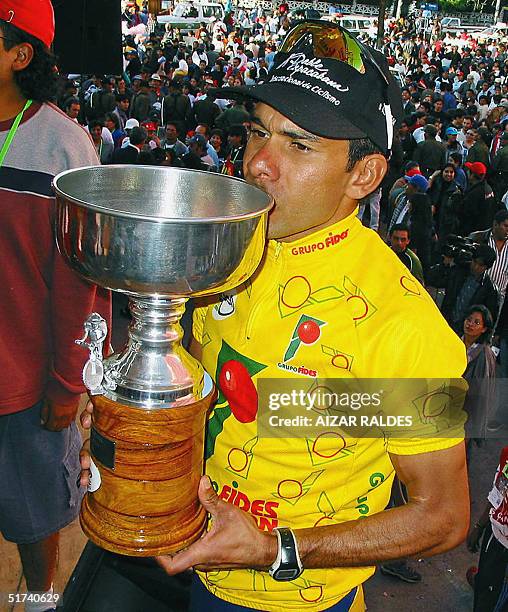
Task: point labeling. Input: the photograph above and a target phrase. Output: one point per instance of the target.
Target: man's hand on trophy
(234, 540)
(56, 416)
(84, 455)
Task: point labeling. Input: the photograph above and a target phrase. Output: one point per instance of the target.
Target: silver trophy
(159, 235)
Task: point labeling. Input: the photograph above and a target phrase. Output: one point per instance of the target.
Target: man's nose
(264, 163)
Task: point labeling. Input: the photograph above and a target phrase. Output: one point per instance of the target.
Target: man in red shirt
(43, 303)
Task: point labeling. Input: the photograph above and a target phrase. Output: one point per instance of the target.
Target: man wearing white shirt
(475, 74)
(129, 125)
(467, 124)
(72, 108)
(199, 55)
(241, 54)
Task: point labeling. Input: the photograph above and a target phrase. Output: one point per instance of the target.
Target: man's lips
(261, 185)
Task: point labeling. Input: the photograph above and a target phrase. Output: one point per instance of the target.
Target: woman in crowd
(480, 372)
(442, 187)
(217, 142)
(183, 66)
(113, 124)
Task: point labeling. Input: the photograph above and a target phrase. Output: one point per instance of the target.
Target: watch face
(286, 574)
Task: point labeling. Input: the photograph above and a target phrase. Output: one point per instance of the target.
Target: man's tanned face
(304, 173)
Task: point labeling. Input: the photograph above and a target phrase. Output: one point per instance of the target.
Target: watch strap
(287, 565)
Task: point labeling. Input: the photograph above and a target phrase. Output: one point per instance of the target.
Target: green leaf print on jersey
(306, 331)
(297, 294)
(360, 306)
(232, 400)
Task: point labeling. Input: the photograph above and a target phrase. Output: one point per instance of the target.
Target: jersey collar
(323, 241)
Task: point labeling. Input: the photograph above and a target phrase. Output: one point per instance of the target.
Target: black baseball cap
(330, 84)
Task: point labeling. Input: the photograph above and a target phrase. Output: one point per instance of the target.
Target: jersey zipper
(253, 314)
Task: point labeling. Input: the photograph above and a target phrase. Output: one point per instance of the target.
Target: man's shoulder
(56, 142)
(386, 276)
(406, 321)
(488, 283)
(482, 236)
(60, 120)
(412, 254)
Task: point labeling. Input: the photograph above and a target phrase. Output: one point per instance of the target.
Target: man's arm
(417, 270)
(438, 275)
(435, 520)
(495, 162)
(492, 301)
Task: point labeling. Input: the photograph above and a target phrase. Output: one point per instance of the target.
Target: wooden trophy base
(150, 463)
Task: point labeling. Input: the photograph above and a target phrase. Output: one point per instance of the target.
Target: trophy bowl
(162, 232)
(159, 235)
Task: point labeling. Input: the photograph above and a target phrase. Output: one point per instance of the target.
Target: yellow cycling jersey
(337, 303)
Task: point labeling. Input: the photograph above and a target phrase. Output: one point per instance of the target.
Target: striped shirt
(499, 271)
(43, 303)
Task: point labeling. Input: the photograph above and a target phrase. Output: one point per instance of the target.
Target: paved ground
(444, 587)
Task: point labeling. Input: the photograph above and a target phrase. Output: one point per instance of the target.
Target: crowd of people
(448, 176)
(440, 204)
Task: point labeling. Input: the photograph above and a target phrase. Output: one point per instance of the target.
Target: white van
(359, 25)
(190, 15)
(356, 24)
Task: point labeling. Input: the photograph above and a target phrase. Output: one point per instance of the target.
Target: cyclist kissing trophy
(159, 235)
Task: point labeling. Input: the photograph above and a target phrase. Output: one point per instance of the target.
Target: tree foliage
(479, 6)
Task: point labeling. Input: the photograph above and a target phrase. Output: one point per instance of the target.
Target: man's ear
(22, 56)
(366, 176)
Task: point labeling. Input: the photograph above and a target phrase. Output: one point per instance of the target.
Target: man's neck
(11, 101)
(500, 242)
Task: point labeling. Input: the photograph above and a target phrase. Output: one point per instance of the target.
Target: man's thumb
(207, 495)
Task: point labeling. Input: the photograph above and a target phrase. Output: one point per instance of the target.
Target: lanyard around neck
(12, 132)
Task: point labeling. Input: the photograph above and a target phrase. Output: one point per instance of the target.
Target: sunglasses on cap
(331, 41)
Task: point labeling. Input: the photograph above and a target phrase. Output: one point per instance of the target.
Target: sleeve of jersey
(433, 360)
(198, 322)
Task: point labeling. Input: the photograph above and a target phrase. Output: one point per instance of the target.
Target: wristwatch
(287, 565)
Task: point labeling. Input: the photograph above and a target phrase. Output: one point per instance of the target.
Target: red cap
(413, 171)
(34, 17)
(149, 126)
(476, 168)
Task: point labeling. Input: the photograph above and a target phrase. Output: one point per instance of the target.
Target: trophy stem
(154, 370)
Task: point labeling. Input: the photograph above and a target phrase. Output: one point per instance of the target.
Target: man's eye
(259, 133)
(300, 146)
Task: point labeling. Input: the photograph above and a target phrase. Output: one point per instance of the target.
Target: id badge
(499, 490)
